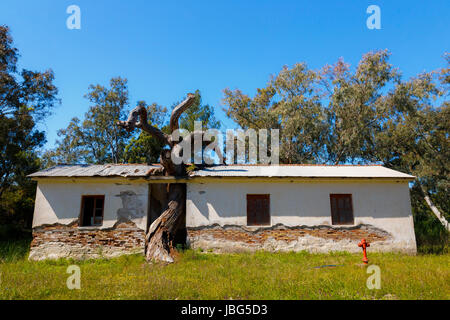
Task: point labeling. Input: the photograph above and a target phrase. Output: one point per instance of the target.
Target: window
(341, 209)
(92, 211)
(258, 210)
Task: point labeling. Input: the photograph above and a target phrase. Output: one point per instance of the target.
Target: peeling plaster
(318, 239)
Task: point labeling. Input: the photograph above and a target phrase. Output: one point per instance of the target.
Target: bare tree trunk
(162, 232)
(434, 209)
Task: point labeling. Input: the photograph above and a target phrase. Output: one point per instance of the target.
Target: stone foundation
(70, 241)
(233, 238)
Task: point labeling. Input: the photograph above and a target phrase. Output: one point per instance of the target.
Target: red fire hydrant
(364, 244)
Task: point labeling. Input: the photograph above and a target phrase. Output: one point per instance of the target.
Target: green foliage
(26, 98)
(289, 103)
(96, 139)
(260, 275)
(143, 149)
(13, 250)
(14, 232)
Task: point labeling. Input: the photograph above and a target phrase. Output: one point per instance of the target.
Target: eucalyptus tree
(26, 99)
(96, 138)
(291, 103)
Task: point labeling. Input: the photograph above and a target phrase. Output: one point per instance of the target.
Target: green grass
(232, 276)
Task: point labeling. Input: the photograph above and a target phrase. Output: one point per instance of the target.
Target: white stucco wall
(382, 204)
(59, 201)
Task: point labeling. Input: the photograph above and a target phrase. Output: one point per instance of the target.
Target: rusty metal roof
(302, 171)
(276, 171)
(107, 170)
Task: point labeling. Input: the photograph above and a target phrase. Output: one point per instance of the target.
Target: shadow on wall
(132, 207)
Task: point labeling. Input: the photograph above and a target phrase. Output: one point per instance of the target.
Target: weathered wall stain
(133, 207)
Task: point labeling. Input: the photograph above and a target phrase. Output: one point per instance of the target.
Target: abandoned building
(89, 211)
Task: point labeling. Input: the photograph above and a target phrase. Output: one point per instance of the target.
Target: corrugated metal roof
(303, 171)
(107, 170)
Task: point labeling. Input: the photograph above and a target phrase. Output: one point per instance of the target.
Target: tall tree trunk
(433, 208)
(163, 231)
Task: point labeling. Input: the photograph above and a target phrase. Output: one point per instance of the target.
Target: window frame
(337, 196)
(81, 217)
(261, 196)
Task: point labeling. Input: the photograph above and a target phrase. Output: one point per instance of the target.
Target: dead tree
(162, 232)
(433, 208)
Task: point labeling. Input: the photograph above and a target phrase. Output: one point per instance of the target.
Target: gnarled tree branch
(178, 111)
(138, 119)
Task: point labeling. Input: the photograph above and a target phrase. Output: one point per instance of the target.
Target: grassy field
(233, 276)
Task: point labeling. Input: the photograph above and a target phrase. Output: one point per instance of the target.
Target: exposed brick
(215, 235)
(55, 241)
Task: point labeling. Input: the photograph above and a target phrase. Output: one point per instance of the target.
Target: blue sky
(169, 48)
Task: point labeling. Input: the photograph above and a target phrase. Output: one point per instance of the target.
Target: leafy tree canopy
(26, 98)
(96, 138)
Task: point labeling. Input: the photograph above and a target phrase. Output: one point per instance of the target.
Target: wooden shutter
(341, 209)
(258, 209)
